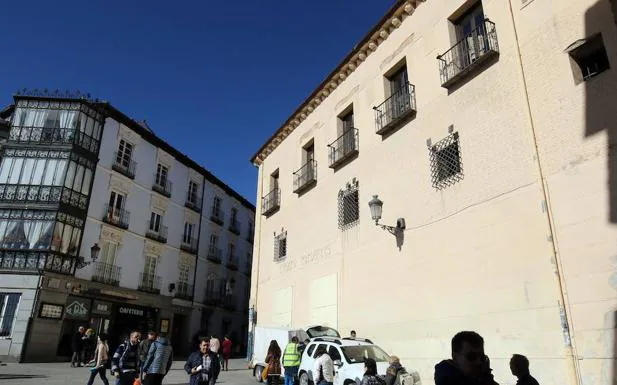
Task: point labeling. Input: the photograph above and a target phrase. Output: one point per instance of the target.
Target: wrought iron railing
(189, 244)
(117, 217)
(344, 147)
(477, 46)
(400, 105)
(30, 193)
(214, 254)
(74, 198)
(271, 201)
(162, 187)
(217, 216)
(184, 290)
(107, 273)
(36, 135)
(37, 260)
(124, 166)
(193, 202)
(232, 261)
(159, 235)
(149, 283)
(234, 227)
(305, 176)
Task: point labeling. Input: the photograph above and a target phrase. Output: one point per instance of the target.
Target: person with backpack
(370, 373)
(323, 371)
(396, 374)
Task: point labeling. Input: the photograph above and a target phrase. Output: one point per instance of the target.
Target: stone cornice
(391, 21)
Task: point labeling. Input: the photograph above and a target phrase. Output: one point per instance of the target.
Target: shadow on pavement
(19, 376)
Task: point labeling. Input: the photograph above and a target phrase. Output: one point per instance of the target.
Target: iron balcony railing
(159, 235)
(468, 53)
(271, 202)
(43, 135)
(193, 202)
(30, 260)
(344, 147)
(217, 216)
(149, 283)
(22, 193)
(124, 166)
(106, 273)
(214, 292)
(117, 217)
(396, 109)
(305, 177)
(214, 254)
(162, 187)
(189, 244)
(184, 291)
(235, 227)
(232, 262)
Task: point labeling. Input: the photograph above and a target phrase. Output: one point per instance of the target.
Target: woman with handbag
(273, 359)
(101, 356)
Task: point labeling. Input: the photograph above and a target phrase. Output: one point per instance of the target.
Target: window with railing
(192, 197)
(348, 206)
(344, 147)
(189, 243)
(280, 246)
(123, 162)
(114, 213)
(217, 212)
(214, 252)
(155, 229)
(306, 176)
(446, 163)
(161, 184)
(399, 105)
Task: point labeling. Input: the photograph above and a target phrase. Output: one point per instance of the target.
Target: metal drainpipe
(574, 369)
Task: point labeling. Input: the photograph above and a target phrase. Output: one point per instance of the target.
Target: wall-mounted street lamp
(94, 255)
(376, 206)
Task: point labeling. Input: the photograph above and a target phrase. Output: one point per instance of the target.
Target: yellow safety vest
(291, 357)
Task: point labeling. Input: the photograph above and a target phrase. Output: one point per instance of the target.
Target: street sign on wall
(77, 308)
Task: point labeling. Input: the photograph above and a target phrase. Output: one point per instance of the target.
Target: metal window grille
(348, 206)
(280, 246)
(446, 163)
(8, 308)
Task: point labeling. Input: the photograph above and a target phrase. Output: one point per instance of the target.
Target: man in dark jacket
(77, 345)
(519, 365)
(203, 365)
(468, 366)
(125, 361)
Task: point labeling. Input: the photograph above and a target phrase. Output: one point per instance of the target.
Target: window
(150, 266)
(184, 273)
(280, 246)
(274, 180)
(470, 29)
(192, 194)
(308, 153)
(249, 231)
(348, 206)
(116, 205)
(234, 216)
(321, 346)
(398, 81)
(588, 58)
(161, 175)
(216, 206)
(446, 165)
(124, 154)
(36, 171)
(232, 251)
(334, 353)
(108, 253)
(8, 308)
(187, 237)
(346, 121)
(214, 239)
(311, 349)
(155, 222)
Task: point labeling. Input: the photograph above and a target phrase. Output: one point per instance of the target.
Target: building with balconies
(482, 134)
(101, 225)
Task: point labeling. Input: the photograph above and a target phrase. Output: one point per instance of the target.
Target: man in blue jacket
(158, 361)
(125, 361)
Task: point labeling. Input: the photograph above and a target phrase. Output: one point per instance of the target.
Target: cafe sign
(101, 308)
(77, 308)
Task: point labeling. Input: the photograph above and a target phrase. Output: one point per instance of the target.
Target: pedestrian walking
(101, 356)
(370, 373)
(468, 366)
(158, 362)
(215, 346)
(77, 345)
(291, 360)
(227, 344)
(144, 346)
(519, 365)
(203, 366)
(273, 359)
(125, 361)
(323, 370)
(396, 374)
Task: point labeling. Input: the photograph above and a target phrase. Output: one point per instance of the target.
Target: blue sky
(213, 78)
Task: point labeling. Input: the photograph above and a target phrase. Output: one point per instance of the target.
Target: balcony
(232, 262)
(162, 187)
(149, 283)
(116, 217)
(155, 233)
(271, 202)
(234, 227)
(184, 291)
(56, 136)
(468, 54)
(229, 302)
(214, 254)
(344, 148)
(193, 202)
(305, 177)
(189, 245)
(106, 273)
(26, 193)
(395, 110)
(124, 166)
(217, 217)
(35, 260)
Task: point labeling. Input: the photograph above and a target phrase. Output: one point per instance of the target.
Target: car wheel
(304, 379)
(258, 371)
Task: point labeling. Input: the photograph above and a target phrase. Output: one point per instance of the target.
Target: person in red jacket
(226, 352)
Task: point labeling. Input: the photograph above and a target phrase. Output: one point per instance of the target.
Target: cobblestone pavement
(63, 374)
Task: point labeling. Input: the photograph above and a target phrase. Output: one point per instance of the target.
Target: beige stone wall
(479, 254)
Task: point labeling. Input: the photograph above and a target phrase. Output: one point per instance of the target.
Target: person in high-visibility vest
(291, 361)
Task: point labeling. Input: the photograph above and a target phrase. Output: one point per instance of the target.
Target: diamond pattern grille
(446, 163)
(348, 207)
(280, 246)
